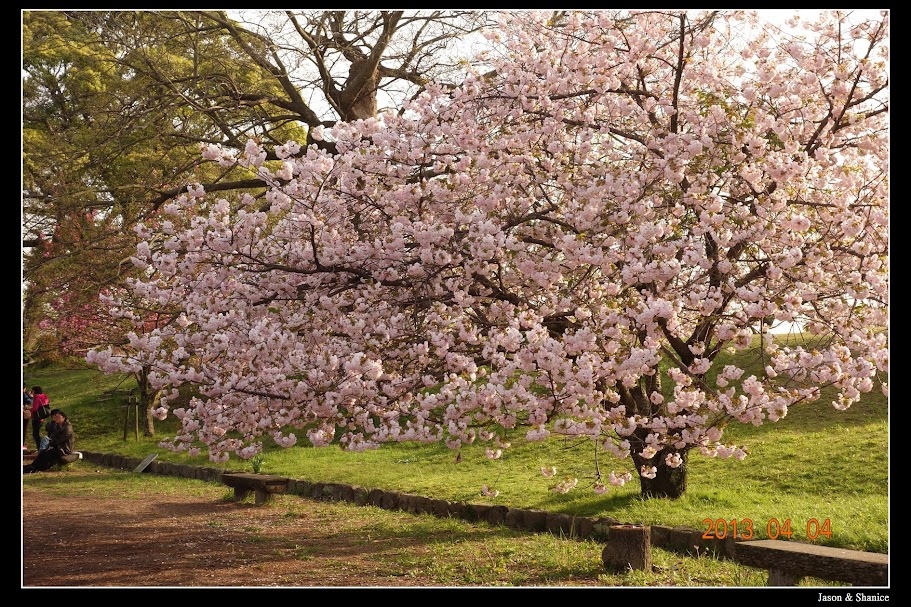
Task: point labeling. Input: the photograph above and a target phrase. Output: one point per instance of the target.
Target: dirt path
(197, 541)
(140, 537)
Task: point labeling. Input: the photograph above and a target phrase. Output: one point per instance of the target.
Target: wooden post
(126, 419)
(132, 402)
(628, 547)
(135, 400)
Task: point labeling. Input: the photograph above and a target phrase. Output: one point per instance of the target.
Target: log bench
(264, 485)
(787, 562)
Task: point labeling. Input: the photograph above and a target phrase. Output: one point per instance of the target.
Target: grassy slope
(817, 464)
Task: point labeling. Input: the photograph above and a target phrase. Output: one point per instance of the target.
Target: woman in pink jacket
(26, 413)
(39, 398)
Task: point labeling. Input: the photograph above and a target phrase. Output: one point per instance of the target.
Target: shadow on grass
(598, 506)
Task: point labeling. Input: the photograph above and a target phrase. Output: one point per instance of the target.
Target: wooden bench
(787, 562)
(264, 485)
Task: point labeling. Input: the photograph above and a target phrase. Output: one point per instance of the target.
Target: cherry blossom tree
(568, 243)
(104, 321)
(72, 317)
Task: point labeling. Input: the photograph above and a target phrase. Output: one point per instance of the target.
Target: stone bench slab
(264, 485)
(787, 562)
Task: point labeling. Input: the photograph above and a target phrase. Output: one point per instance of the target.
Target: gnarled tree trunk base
(669, 482)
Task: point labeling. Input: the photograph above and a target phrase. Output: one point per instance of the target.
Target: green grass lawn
(822, 470)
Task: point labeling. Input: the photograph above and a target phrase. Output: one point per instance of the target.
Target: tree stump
(628, 547)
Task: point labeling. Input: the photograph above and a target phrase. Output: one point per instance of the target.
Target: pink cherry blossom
(494, 453)
(563, 244)
(566, 485)
(618, 480)
(486, 492)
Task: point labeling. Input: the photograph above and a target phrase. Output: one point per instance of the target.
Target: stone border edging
(677, 539)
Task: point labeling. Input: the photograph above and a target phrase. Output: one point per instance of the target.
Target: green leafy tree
(116, 105)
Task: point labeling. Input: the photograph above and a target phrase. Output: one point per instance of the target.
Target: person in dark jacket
(61, 441)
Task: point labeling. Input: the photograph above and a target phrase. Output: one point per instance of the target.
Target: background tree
(117, 103)
(99, 149)
(567, 245)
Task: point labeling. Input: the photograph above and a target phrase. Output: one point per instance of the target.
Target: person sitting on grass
(61, 441)
(48, 430)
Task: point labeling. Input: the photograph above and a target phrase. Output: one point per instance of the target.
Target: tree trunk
(668, 482)
(628, 547)
(150, 419)
(148, 399)
(357, 101)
